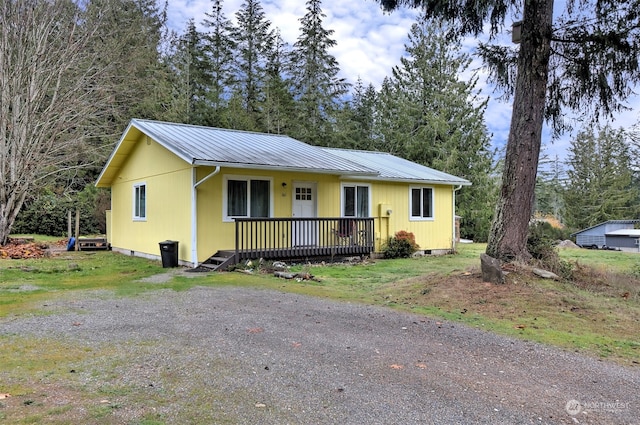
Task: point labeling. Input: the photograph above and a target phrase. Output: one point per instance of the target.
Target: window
(355, 201)
(421, 203)
(304, 194)
(140, 201)
(247, 197)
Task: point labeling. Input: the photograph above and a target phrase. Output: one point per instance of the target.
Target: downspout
(194, 211)
(453, 208)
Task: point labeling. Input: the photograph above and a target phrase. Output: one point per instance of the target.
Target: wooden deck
(301, 238)
(92, 244)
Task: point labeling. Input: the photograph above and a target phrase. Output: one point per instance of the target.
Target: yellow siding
(109, 225)
(436, 234)
(167, 180)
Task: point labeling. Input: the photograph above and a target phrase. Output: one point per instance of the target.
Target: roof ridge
(357, 150)
(204, 127)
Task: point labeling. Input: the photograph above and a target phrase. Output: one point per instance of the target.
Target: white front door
(304, 205)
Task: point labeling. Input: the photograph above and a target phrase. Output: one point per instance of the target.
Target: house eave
(409, 181)
(208, 163)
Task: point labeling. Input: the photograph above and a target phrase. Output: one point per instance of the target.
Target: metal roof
(216, 146)
(607, 222)
(393, 168)
(198, 145)
(633, 233)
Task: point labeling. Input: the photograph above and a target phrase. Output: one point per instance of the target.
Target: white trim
(135, 186)
(248, 179)
(356, 185)
(433, 206)
(194, 217)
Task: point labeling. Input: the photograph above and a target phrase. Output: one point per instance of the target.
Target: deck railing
(303, 237)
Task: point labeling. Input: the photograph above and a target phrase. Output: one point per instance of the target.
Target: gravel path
(250, 356)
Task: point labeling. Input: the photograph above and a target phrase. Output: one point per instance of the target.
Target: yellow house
(224, 195)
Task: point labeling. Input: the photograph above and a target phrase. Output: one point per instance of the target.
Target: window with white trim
(247, 197)
(355, 200)
(140, 201)
(421, 203)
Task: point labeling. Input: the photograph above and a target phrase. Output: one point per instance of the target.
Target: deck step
(221, 260)
(209, 266)
(218, 259)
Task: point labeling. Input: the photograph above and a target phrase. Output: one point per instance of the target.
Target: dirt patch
(466, 293)
(528, 306)
(169, 274)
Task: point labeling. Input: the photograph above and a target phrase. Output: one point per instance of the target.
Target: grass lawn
(598, 315)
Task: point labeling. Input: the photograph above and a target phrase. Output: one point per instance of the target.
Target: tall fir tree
(549, 194)
(254, 38)
(219, 49)
(318, 89)
(438, 120)
(600, 179)
(195, 71)
(388, 120)
(278, 106)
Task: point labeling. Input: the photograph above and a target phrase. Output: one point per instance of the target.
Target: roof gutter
(194, 210)
(208, 176)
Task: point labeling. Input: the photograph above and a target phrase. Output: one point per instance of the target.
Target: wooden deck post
(77, 228)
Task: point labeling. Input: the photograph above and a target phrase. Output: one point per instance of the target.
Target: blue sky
(369, 43)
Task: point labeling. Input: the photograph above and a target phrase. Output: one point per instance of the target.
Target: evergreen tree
(389, 120)
(196, 73)
(600, 179)
(254, 38)
(549, 194)
(219, 49)
(438, 120)
(356, 119)
(315, 74)
(130, 36)
(178, 60)
(278, 107)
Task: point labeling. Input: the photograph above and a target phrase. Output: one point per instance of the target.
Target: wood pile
(24, 248)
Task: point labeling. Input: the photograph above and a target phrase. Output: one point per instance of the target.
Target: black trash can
(169, 253)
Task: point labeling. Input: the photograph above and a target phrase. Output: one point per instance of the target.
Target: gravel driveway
(251, 356)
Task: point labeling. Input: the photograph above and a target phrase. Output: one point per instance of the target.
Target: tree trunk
(508, 238)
